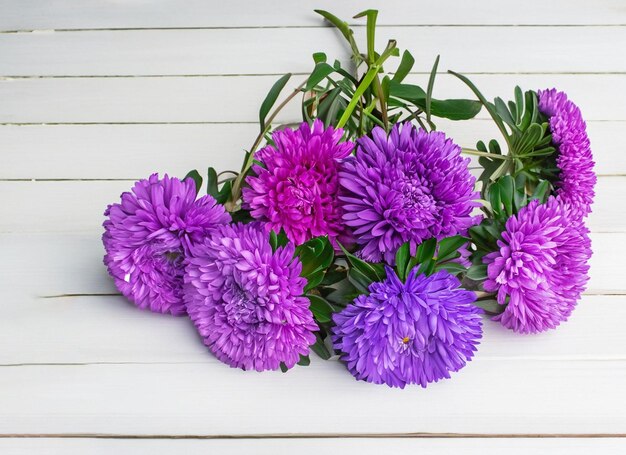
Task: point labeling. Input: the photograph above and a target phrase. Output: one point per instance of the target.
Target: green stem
(488, 155)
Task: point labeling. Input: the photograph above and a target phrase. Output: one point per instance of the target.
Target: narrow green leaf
(304, 360)
(426, 250)
(320, 72)
(402, 260)
(406, 64)
(452, 267)
(320, 348)
(271, 98)
(371, 15)
(283, 367)
(273, 240)
(197, 179)
(477, 272)
(490, 306)
(321, 309)
(429, 89)
(211, 183)
(449, 246)
(455, 109)
(319, 57)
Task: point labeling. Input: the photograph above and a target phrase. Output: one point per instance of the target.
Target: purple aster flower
(296, 186)
(147, 236)
(409, 333)
(406, 187)
(541, 266)
(569, 135)
(246, 300)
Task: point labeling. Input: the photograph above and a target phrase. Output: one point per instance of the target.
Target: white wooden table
(96, 94)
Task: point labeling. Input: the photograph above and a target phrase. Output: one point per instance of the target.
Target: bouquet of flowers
(362, 232)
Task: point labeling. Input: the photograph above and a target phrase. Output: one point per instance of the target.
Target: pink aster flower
(148, 234)
(541, 267)
(296, 184)
(246, 300)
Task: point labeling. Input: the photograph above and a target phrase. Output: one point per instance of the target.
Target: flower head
(574, 159)
(295, 187)
(406, 187)
(147, 235)
(541, 266)
(246, 300)
(409, 333)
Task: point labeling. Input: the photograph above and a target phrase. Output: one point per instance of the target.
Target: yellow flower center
(405, 340)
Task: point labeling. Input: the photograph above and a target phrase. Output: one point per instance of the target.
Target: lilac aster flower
(409, 333)
(147, 235)
(296, 187)
(406, 187)
(246, 300)
(574, 159)
(541, 267)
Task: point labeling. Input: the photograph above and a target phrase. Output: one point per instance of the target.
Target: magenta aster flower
(246, 300)
(406, 187)
(541, 267)
(574, 159)
(295, 187)
(147, 235)
(409, 333)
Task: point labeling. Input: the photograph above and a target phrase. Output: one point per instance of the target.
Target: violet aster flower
(147, 235)
(576, 179)
(406, 187)
(296, 186)
(409, 333)
(541, 267)
(246, 300)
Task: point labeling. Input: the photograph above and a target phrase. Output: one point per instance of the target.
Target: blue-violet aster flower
(406, 187)
(246, 300)
(147, 235)
(295, 187)
(541, 266)
(576, 180)
(409, 333)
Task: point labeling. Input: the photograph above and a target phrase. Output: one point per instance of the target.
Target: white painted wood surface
(95, 94)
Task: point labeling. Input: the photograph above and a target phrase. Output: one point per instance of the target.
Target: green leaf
(402, 259)
(477, 272)
(320, 348)
(455, 109)
(314, 279)
(406, 64)
(426, 250)
(374, 272)
(271, 98)
(283, 367)
(407, 92)
(429, 89)
(343, 293)
(320, 72)
(490, 306)
(359, 280)
(449, 246)
(453, 268)
(319, 57)
(273, 241)
(196, 177)
(507, 189)
(211, 183)
(371, 15)
(304, 360)
(542, 191)
(320, 308)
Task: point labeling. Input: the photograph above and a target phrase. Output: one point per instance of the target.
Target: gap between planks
(320, 436)
(322, 25)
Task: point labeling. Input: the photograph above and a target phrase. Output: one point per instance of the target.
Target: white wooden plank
(489, 396)
(237, 99)
(309, 446)
(246, 51)
(108, 329)
(81, 14)
(58, 206)
(134, 151)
